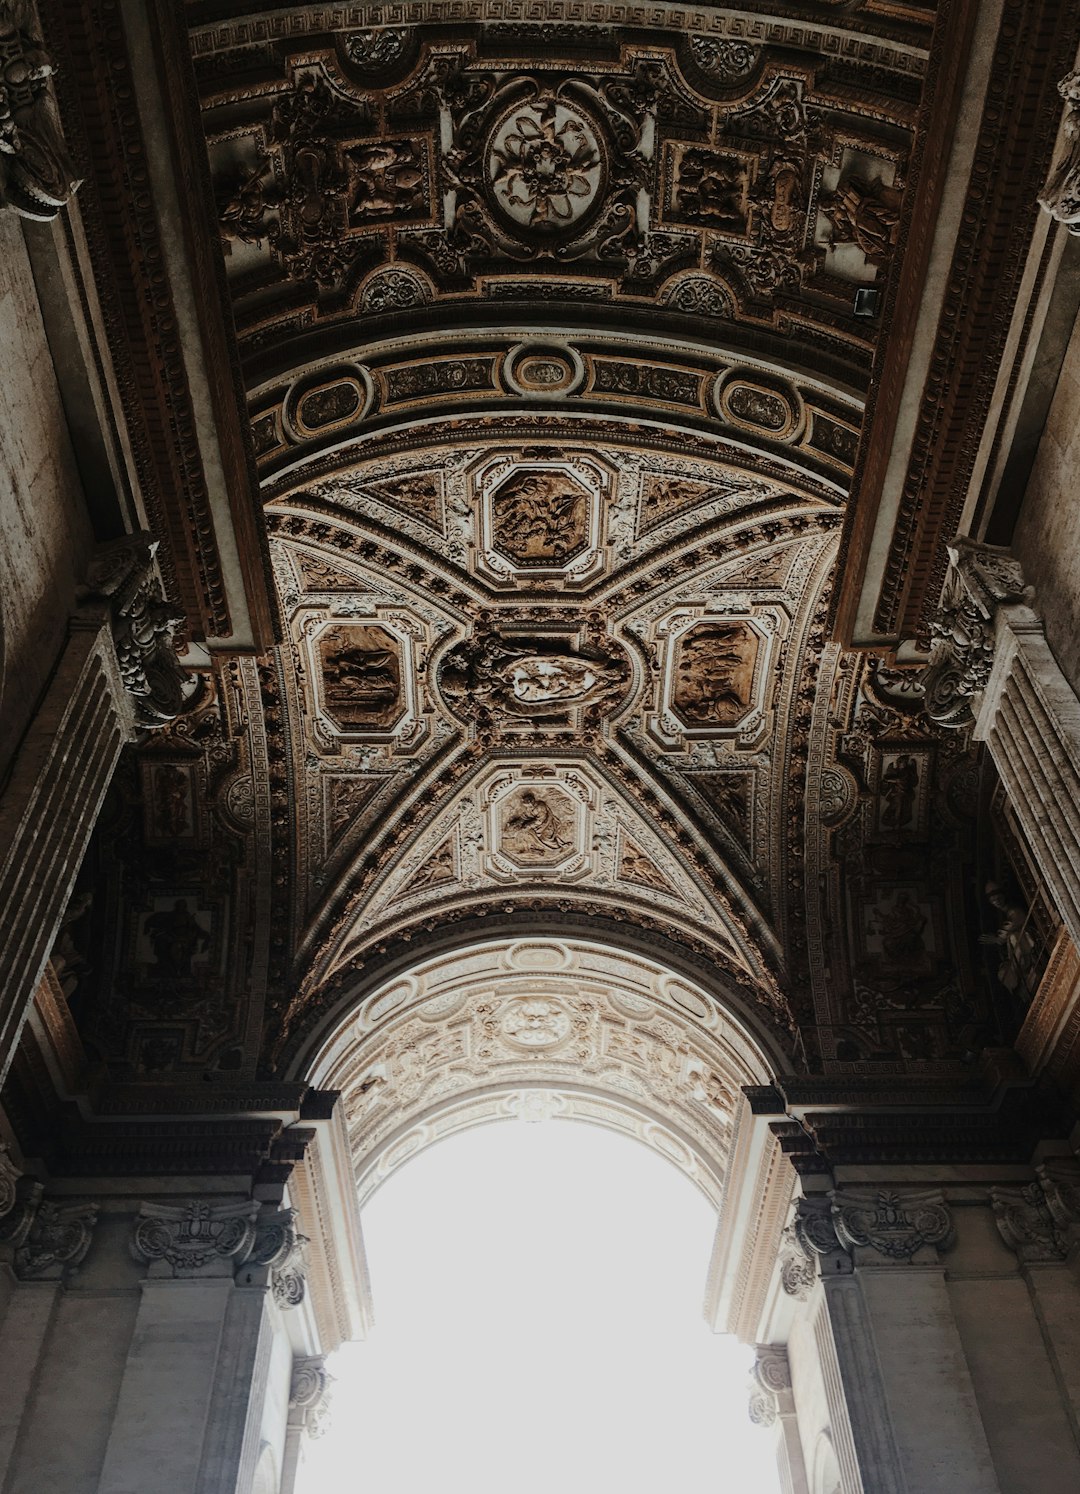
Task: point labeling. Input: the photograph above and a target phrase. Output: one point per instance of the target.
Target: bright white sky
(538, 1294)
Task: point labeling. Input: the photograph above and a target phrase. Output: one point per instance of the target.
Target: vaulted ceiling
(545, 337)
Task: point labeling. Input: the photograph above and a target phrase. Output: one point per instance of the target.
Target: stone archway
(568, 1026)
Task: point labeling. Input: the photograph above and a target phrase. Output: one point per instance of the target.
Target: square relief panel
(538, 824)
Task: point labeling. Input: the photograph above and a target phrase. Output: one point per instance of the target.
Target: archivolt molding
(536, 1028)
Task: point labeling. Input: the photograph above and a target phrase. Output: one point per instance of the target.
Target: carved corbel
(37, 177)
(122, 577)
(309, 1395)
(981, 579)
(798, 1271)
(1041, 1221)
(897, 1225)
(195, 1238)
(1060, 195)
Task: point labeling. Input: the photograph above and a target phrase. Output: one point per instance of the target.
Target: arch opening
(537, 1325)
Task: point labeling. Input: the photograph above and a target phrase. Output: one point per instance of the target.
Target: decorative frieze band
(200, 1238)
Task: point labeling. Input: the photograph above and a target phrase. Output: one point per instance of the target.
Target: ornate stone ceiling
(554, 328)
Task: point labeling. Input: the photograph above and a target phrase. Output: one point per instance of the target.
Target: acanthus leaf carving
(982, 578)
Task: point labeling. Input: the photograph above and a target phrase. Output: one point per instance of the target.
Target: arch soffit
(538, 1027)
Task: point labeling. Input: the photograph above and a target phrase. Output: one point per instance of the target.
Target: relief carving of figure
(176, 937)
(539, 517)
(389, 176)
(1015, 939)
(866, 214)
(899, 785)
(361, 671)
(902, 929)
(529, 679)
(714, 673)
(711, 189)
(533, 828)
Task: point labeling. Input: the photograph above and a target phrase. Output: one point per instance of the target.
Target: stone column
(118, 674)
(903, 1410)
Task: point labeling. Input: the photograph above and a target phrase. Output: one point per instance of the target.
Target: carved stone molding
(982, 578)
(896, 1225)
(195, 1238)
(37, 177)
(309, 1395)
(1060, 195)
(123, 577)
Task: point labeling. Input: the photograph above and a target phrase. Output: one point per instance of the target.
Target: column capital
(1041, 1220)
(309, 1394)
(37, 176)
(204, 1238)
(981, 579)
(1060, 196)
(894, 1224)
(38, 1237)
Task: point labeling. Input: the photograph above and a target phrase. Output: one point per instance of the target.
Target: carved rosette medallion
(545, 166)
(535, 1024)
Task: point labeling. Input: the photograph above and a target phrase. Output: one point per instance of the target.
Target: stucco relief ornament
(57, 1241)
(144, 625)
(194, 1237)
(981, 579)
(309, 1394)
(1060, 195)
(545, 165)
(1027, 1224)
(896, 1225)
(37, 177)
(503, 680)
(535, 1024)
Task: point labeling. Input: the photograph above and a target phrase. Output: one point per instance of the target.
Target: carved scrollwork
(309, 1394)
(144, 625)
(196, 1236)
(770, 1378)
(1039, 1220)
(57, 1240)
(9, 1177)
(896, 1225)
(813, 1230)
(37, 177)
